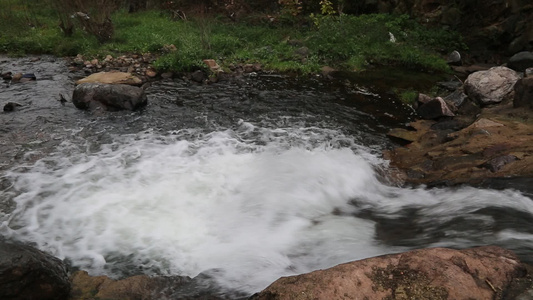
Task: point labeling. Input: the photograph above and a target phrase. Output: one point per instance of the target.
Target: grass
(344, 42)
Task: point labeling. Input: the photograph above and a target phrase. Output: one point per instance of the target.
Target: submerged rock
(11, 106)
(28, 273)
(109, 97)
(438, 273)
(491, 86)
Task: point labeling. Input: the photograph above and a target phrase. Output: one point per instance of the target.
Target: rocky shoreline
(480, 132)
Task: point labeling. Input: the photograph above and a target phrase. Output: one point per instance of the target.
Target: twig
(491, 286)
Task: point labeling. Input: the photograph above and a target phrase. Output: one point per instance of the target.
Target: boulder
(28, 273)
(523, 96)
(491, 86)
(111, 78)
(521, 61)
(438, 273)
(111, 97)
(135, 287)
(434, 109)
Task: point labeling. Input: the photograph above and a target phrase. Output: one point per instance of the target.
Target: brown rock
(111, 78)
(438, 273)
(151, 73)
(135, 287)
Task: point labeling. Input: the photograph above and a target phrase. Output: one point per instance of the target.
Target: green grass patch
(344, 42)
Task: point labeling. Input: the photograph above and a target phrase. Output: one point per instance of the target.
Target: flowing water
(256, 178)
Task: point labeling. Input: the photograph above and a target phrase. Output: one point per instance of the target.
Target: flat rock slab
(462, 156)
(438, 273)
(111, 78)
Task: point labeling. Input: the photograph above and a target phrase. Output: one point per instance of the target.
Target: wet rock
(491, 86)
(11, 106)
(202, 286)
(434, 109)
(452, 125)
(495, 164)
(521, 61)
(438, 273)
(28, 273)
(198, 76)
(450, 85)
(109, 97)
(523, 96)
(111, 78)
(28, 77)
(456, 99)
(6, 76)
(16, 77)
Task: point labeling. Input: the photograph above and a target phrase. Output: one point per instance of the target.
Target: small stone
(150, 73)
(11, 106)
(167, 75)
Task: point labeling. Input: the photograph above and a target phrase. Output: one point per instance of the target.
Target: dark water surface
(257, 177)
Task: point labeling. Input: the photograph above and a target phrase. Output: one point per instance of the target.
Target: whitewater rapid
(252, 202)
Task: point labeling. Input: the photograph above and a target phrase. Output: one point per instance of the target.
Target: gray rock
(528, 72)
(28, 273)
(456, 98)
(11, 106)
(454, 58)
(111, 97)
(434, 109)
(198, 76)
(523, 96)
(521, 61)
(302, 51)
(490, 86)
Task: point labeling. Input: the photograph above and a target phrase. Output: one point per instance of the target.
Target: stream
(258, 177)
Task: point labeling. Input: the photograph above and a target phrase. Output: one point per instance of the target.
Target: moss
(406, 284)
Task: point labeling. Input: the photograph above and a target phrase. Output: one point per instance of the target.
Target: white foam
(254, 202)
